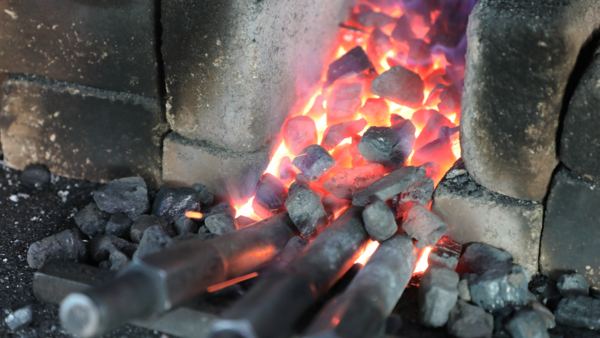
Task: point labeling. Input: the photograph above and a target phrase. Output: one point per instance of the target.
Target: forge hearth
(354, 168)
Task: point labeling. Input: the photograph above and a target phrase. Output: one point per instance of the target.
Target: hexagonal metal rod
(159, 282)
(276, 302)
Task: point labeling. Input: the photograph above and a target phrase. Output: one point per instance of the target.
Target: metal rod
(276, 302)
(161, 281)
(57, 279)
(371, 296)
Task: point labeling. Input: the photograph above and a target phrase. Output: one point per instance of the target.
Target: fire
(435, 120)
(422, 262)
(369, 251)
(193, 214)
(230, 282)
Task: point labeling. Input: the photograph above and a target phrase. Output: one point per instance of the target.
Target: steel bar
(159, 282)
(371, 296)
(276, 302)
(55, 280)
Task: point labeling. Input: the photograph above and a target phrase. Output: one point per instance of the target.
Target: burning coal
(390, 98)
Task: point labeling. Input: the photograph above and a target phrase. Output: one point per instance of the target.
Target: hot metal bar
(276, 302)
(55, 280)
(159, 282)
(371, 296)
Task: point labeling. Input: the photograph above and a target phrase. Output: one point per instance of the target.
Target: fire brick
(81, 132)
(476, 214)
(112, 46)
(571, 236)
(525, 51)
(236, 69)
(580, 138)
(226, 173)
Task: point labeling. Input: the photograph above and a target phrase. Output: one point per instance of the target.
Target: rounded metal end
(80, 315)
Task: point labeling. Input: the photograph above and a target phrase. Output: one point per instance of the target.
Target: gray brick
(110, 45)
(525, 51)
(236, 69)
(476, 214)
(81, 132)
(571, 236)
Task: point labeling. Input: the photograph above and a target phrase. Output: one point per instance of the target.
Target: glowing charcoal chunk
(376, 111)
(421, 116)
(445, 253)
(270, 196)
(344, 102)
(375, 19)
(450, 98)
(314, 161)
(346, 183)
(431, 130)
(389, 186)
(334, 204)
(419, 52)
(298, 133)
(353, 62)
(338, 132)
(403, 30)
(306, 211)
(401, 86)
(172, 204)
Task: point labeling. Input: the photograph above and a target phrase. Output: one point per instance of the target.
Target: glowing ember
(408, 41)
(422, 262)
(193, 214)
(369, 251)
(230, 282)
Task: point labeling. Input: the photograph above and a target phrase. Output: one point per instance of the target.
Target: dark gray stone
(469, 321)
(20, 318)
(220, 208)
(270, 196)
(91, 220)
(527, 323)
(185, 225)
(119, 225)
(387, 146)
(144, 222)
(314, 162)
(235, 70)
(206, 199)
(353, 62)
(172, 204)
(227, 174)
(480, 258)
(571, 236)
(112, 46)
(545, 290)
(401, 86)
(438, 293)
(118, 136)
(104, 265)
(543, 311)
(498, 289)
(349, 181)
(573, 285)
(67, 245)
(420, 192)
(379, 221)
(389, 186)
(128, 195)
(220, 224)
(424, 226)
(445, 253)
(154, 240)
(579, 311)
(35, 175)
(118, 260)
(525, 50)
(476, 214)
(306, 211)
(101, 247)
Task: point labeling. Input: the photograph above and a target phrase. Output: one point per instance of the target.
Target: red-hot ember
(422, 83)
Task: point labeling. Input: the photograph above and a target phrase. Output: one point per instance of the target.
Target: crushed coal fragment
(348, 182)
(481, 257)
(101, 246)
(270, 196)
(335, 134)
(401, 86)
(386, 146)
(128, 195)
(353, 62)
(445, 253)
(314, 162)
(298, 133)
(91, 220)
(527, 323)
(154, 240)
(469, 321)
(185, 225)
(498, 289)
(306, 211)
(438, 294)
(220, 224)
(19, 319)
(379, 221)
(119, 225)
(570, 285)
(144, 222)
(35, 175)
(424, 226)
(389, 186)
(172, 204)
(344, 102)
(67, 245)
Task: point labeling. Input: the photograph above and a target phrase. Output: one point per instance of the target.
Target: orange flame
(422, 264)
(230, 282)
(369, 251)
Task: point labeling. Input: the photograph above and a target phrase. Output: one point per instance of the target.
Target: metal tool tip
(80, 315)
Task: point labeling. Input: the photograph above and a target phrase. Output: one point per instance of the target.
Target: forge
(279, 168)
